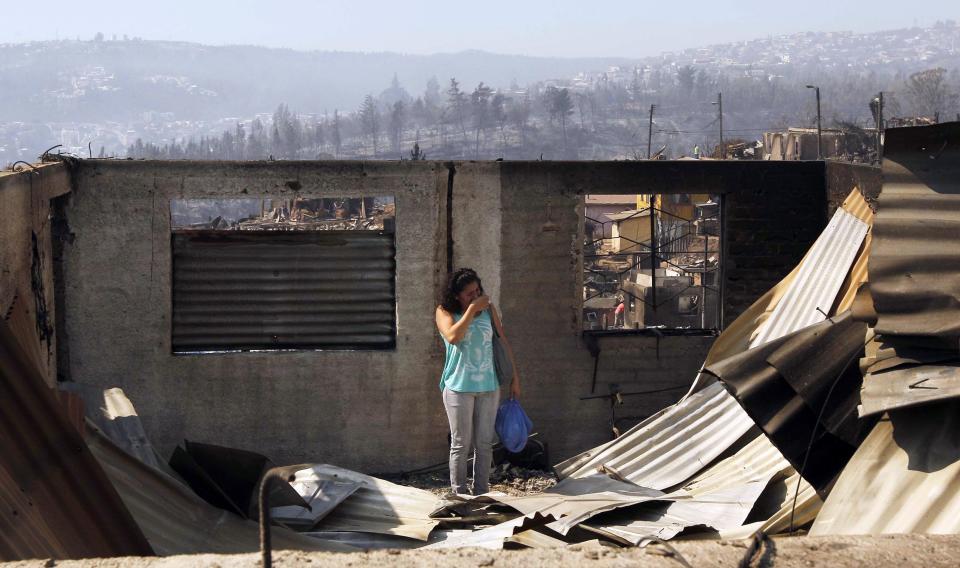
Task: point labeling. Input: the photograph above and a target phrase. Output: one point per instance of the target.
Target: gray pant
(471, 416)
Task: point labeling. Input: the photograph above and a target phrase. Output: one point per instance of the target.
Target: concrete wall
(518, 223)
(369, 410)
(773, 212)
(843, 177)
(25, 211)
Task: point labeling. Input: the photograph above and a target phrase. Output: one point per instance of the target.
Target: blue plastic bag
(512, 425)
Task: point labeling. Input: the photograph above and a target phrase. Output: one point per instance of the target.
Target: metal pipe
(278, 474)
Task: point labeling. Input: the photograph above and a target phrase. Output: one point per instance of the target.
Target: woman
(471, 393)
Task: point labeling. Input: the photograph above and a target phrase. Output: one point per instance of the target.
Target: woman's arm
(454, 332)
(515, 383)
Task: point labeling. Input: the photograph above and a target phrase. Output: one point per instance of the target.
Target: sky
(557, 28)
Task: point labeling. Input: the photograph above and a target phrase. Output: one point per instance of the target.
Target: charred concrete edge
(451, 174)
(61, 237)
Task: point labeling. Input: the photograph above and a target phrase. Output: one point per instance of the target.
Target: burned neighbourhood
(709, 349)
(594, 317)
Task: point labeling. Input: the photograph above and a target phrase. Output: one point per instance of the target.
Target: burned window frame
(711, 226)
(287, 279)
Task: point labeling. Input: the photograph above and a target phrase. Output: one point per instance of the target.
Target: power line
(725, 130)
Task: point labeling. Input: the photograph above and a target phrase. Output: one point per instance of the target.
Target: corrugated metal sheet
(787, 385)
(669, 447)
(113, 413)
(494, 537)
(283, 290)
(377, 506)
(55, 500)
(574, 500)
(322, 496)
(820, 277)
(721, 509)
(900, 388)
(915, 263)
(904, 478)
(176, 521)
(857, 206)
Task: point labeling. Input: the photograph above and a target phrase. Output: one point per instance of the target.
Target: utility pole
(719, 103)
(819, 131)
(650, 132)
(879, 126)
(723, 148)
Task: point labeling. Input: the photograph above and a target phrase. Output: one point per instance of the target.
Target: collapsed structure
(782, 428)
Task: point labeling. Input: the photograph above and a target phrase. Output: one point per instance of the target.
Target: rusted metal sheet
(910, 386)
(283, 290)
(55, 500)
(801, 390)
(669, 447)
(904, 478)
(915, 262)
(176, 521)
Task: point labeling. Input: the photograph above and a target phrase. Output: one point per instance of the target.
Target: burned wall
(26, 259)
(843, 177)
(772, 213)
(518, 223)
(373, 410)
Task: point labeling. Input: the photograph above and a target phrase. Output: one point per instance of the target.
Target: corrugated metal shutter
(283, 290)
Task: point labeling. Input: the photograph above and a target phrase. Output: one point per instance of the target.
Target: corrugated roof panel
(671, 446)
(904, 478)
(915, 263)
(377, 506)
(820, 277)
(55, 500)
(857, 206)
(176, 521)
(668, 448)
(802, 392)
(911, 386)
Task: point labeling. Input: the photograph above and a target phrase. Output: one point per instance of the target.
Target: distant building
(801, 144)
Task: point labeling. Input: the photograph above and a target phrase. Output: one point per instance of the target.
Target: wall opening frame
(652, 263)
(251, 275)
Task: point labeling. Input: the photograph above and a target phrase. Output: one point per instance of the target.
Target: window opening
(283, 274)
(651, 262)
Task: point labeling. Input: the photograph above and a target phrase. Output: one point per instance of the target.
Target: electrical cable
(813, 434)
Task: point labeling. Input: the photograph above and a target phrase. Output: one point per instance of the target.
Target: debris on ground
(505, 478)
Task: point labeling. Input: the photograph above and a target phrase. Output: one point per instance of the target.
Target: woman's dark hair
(459, 280)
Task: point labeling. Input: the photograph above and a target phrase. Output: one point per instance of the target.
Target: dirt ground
(507, 479)
(896, 550)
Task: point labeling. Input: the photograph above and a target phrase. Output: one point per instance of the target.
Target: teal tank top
(469, 364)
